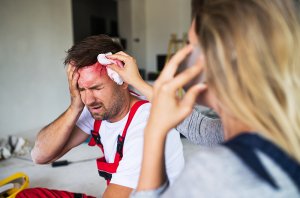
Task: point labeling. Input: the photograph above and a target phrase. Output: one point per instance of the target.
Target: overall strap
(244, 146)
(121, 139)
(96, 138)
(107, 169)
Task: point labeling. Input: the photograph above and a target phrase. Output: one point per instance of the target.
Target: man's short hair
(86, 51)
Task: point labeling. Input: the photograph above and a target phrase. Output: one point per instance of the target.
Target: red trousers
(48, 193)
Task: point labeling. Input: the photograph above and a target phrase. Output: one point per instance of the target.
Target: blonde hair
(252, 50)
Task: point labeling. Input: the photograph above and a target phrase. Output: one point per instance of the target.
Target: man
(101, 108)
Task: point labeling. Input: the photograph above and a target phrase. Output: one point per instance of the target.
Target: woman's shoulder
(212, 172)
(215, 158)
(213, 165)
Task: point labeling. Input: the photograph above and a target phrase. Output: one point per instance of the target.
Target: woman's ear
(207, 98)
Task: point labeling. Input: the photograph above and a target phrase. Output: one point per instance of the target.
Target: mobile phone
(190, 61)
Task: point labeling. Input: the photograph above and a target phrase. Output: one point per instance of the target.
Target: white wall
(152, 21)
(34, 35)
(162, 19)
(125, 22)
(132, 26)
(139, 32)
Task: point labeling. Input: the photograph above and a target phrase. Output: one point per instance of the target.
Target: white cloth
(111, 73)
(129, 168)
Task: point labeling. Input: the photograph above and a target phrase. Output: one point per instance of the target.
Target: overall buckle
(120, 145)
(96, 136)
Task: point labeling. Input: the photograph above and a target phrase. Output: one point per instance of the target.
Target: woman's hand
(130, 73)
(168, 109)
(166, 112)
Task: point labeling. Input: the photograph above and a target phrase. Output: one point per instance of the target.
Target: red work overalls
(106, 169)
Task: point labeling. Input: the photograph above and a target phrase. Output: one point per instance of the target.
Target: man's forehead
(97, 67)
(88, 75)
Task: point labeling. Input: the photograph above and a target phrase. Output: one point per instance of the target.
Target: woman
(252, 66)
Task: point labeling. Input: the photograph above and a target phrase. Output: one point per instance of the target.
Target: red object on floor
(48, 193)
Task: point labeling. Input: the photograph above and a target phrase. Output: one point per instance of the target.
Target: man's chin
(98, 116)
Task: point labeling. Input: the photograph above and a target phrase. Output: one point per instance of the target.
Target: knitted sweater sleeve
(201, 129)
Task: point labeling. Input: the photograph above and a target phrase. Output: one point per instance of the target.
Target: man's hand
(73, 76)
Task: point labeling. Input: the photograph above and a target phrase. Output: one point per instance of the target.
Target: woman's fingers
(115, 67)
(122, 53)
(120, 57)
(186, 76)
(190, 97)
(129, 71)
(171, 67)
(126, 59)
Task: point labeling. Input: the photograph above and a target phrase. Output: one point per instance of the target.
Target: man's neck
(126, 108)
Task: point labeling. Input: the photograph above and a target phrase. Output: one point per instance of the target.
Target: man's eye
(99, 88)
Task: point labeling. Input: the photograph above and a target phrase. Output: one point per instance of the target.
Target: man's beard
(110, 112)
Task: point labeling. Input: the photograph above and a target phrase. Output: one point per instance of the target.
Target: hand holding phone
(190, 61)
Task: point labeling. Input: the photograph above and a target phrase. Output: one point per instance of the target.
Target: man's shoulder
(143, 112)
(145, 107)
(139, 121)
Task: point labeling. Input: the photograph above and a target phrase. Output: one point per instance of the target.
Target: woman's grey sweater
(202, 128)
(217, 171)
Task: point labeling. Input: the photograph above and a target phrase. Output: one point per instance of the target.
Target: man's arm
(54, 140)
(114, 190)
(61, 135)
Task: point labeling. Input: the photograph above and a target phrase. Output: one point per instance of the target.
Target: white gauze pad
(111, 73)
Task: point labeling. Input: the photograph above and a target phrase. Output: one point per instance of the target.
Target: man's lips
(95, 109)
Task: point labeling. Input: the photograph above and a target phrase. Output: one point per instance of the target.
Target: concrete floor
(75, 177)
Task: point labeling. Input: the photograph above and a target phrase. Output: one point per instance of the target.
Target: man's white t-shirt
(129, 167)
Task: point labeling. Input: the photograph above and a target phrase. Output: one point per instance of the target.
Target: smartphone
(190, 61)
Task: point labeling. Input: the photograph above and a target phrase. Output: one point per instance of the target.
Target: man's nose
(89, 97)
